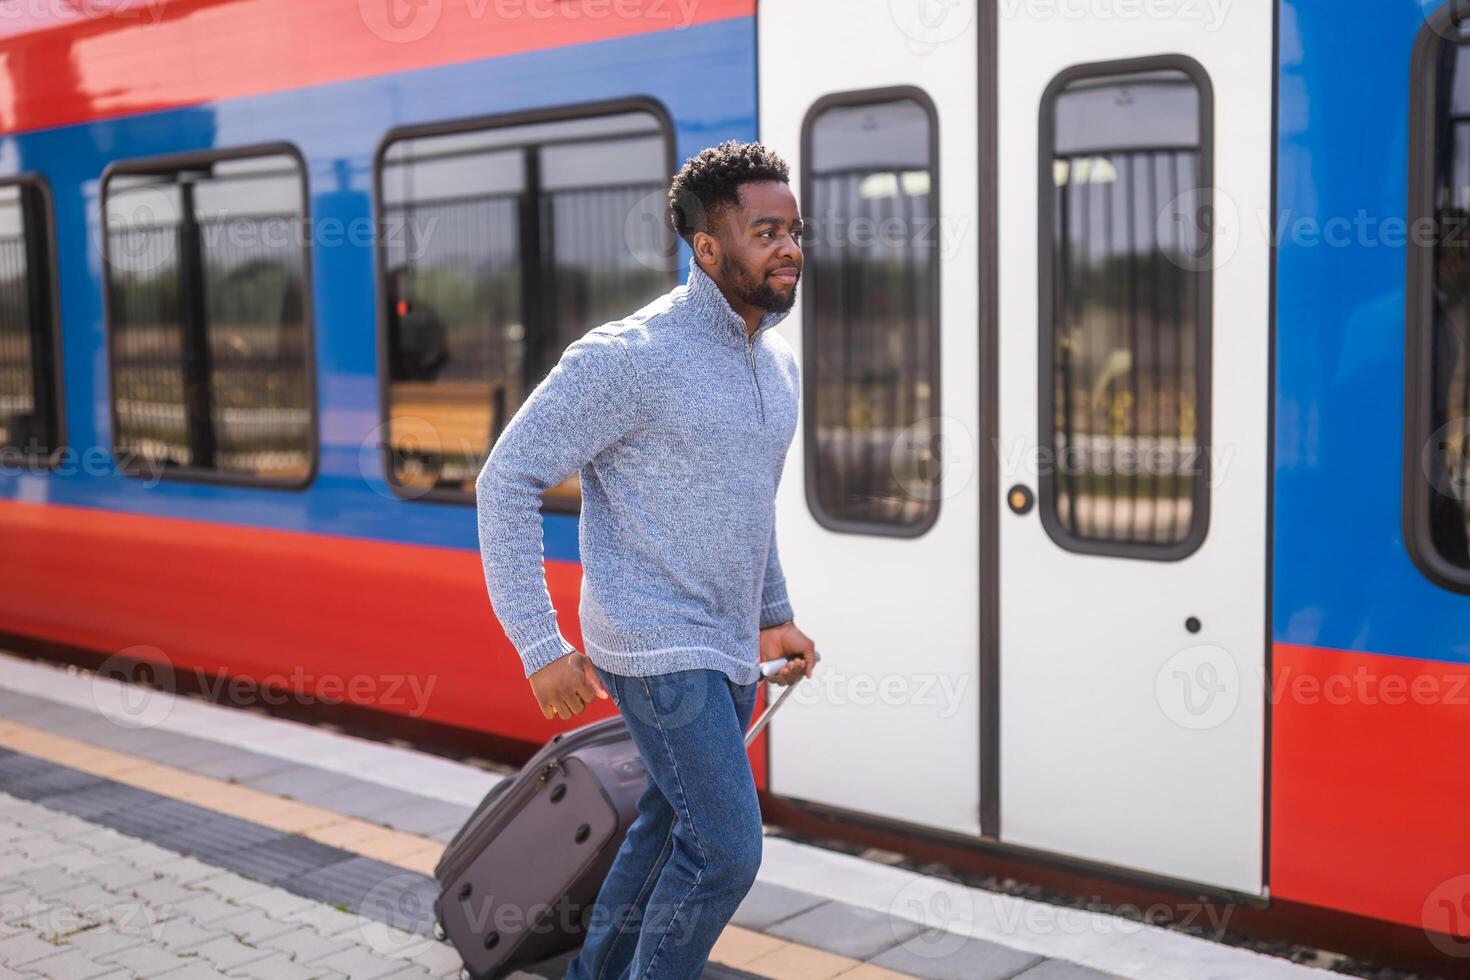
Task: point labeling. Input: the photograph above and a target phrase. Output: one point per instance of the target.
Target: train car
(1128, 506)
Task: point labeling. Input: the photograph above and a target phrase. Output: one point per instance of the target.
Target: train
(1128, 507)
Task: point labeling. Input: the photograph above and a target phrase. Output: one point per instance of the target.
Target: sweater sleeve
(775, 604)
(587, 403)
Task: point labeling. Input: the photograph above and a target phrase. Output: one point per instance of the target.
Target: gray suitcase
(518, 882)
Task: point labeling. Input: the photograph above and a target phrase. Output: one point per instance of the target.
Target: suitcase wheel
(439, 932)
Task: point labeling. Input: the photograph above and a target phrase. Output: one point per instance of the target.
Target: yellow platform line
(739, 948)
(396, 847)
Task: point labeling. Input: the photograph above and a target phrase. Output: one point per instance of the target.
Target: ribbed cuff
(775, 605)
(538, 642)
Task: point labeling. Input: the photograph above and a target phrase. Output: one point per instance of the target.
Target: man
(678, 418)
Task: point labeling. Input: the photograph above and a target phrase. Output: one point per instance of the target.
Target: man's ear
(706, 249)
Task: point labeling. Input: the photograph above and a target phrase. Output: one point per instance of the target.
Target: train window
(207, 303)
(1437, 361)
(871, 312)
(30, 409)
(500, 246)
(1125, 329)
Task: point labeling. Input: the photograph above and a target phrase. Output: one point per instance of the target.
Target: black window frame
(1419, 310)
(450, 127)
(1046, 327)
(159, 166)
(41, 462)
(847, 99)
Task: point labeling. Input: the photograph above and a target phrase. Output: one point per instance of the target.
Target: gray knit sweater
(679, 424)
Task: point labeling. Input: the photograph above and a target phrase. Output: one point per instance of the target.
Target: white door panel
(1126, 739)
(891, 726)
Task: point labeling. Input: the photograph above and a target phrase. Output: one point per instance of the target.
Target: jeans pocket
(610, 681)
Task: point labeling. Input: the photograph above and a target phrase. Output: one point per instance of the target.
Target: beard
(758, 292)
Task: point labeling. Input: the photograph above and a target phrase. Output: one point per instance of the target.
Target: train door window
(1125, 330)
(1437, 437)
(207, 302)
(30, 409)
(871, 311)
(500, 246)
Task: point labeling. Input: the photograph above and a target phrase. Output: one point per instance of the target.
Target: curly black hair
(710, 181)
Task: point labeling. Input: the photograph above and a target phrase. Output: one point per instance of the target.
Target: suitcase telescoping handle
(768, 668)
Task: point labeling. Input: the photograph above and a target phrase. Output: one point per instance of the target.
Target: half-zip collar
(711, 308)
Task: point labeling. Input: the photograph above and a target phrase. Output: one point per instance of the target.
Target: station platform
(148, 835)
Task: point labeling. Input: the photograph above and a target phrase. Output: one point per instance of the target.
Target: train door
(874, 105)
(1134, 188)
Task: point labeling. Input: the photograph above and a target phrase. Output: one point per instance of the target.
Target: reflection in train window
(871, 313)
(1125, 306)
(207, 309)
(1439, 331)
(499, 248)
(29, 393)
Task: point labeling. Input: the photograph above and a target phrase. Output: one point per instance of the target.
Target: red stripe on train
(149, 55)
(1370, 807)
(400, 628)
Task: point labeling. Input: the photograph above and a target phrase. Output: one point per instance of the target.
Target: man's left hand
(786, 640)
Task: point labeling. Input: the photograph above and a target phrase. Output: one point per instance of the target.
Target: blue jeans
(693, 851)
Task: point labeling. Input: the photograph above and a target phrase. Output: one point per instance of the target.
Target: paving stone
(117, 874)
(382, 891)
(217, 837)
(306, 944)
(55, 782)
(162, 891)
(100, 942)
(232, 888)
(24, 948)
(438, 958)
(187, 871)
(847, 930)
(302, 783)
(182, 752)
(195, 970)
(252, 926)
(145, 960)
(72, 964)
(427, 817)
(205, 909)
(766, 904)
(182, 934)
(1063, 970)
(283, 858)
(363, 799)
(159, 819)
(938, 955)
(276, 966)
(276, 902)
(227, 952)
(94, 801)
(410, 973)
(239, 765)
(360, 964)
